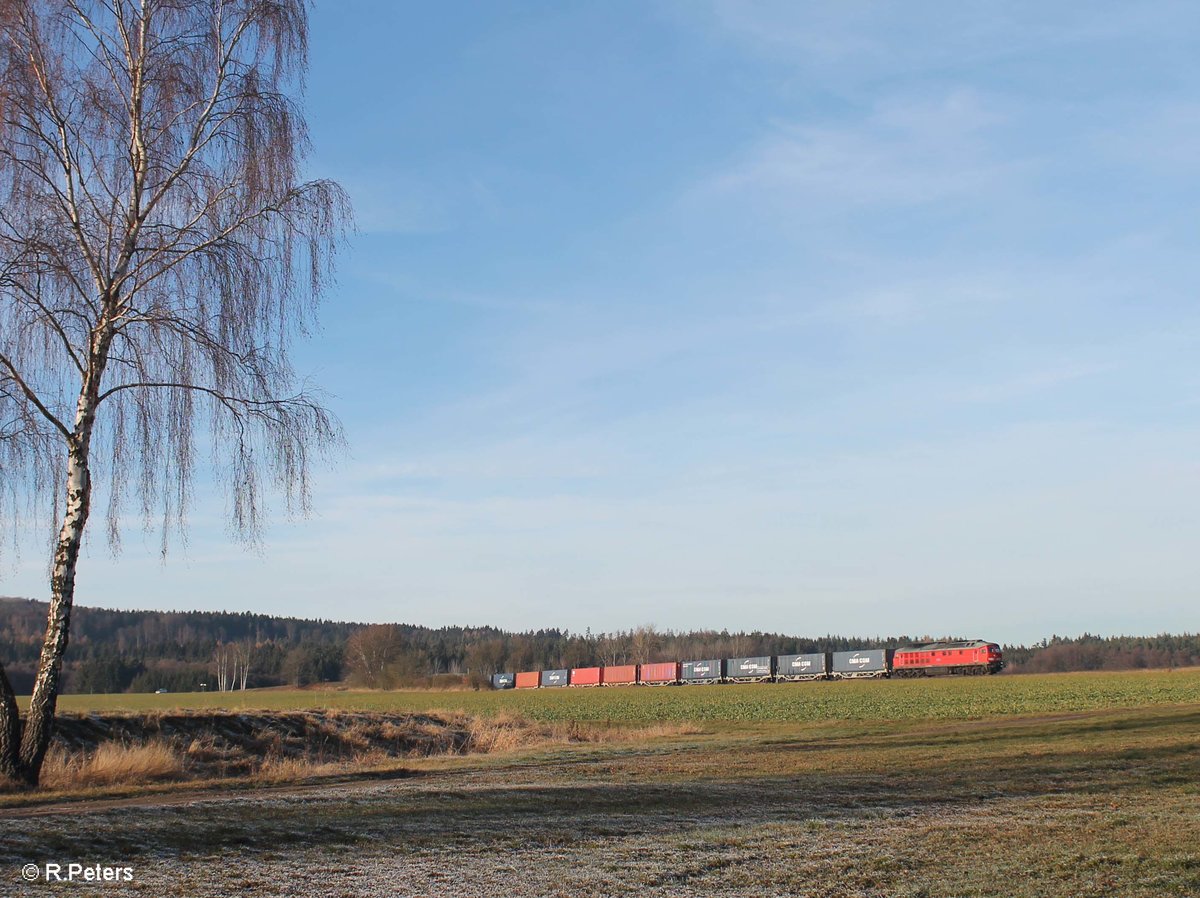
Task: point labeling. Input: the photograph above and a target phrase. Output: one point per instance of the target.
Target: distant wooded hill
(140, 651)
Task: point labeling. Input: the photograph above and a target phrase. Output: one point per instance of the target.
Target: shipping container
(748, 670)
(813, 666)
(659, 674)
(528, 679)
(702, 671)
(502, 681)
(559, 677)
(862, 663)
(585, 676)
(619, 675)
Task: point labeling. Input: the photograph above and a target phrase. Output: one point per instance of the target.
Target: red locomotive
(937, 658)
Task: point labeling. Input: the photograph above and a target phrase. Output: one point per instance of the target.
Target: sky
(805, 317)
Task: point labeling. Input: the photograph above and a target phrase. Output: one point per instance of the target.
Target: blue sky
(841, 317)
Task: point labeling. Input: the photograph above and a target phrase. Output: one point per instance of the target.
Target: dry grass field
(1097, 800)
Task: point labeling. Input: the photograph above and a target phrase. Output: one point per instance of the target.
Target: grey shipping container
(748, 668)
(862, 663)
(503, 681)
(802, 667)
(702, 671)
(555, 677)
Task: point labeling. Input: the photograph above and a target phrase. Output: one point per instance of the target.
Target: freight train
(963, 658)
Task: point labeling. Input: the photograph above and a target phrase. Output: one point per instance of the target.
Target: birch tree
(225, 666)
(243, 655)
(159, 254)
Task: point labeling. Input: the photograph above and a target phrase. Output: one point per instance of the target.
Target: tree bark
(10, 732)
(39, 722)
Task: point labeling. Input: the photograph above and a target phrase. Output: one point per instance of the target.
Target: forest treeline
(141, 651)
(1061, 653)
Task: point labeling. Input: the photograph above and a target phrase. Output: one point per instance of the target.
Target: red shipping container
(622, 675)
(585, 676)
(663, 672)
(528, 680)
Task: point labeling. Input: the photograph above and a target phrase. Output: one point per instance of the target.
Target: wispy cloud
(1163, 137)
(389, 201)
(902, 152)
(859, 40)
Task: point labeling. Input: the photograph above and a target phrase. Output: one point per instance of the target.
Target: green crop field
(933, 699)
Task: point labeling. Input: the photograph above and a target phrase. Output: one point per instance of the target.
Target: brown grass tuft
(509, 732)
(113, 763)
(279, 769)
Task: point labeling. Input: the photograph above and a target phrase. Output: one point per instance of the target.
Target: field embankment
(139, 748)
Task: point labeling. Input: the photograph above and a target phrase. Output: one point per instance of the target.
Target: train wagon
(697, 673)
(943, 658)
(863, 663)
(557, 677)
(528, 679)
(619, 675)
(798, 668)
(663, 673)
(502, 681)
(748, 670)
(585, 676)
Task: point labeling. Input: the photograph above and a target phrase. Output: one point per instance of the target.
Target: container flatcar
(585, 676)
(700, 672)
(861, 664)
(619, 675)
(748, 670)
(798, 668)
(663, 673)
(503, 681)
